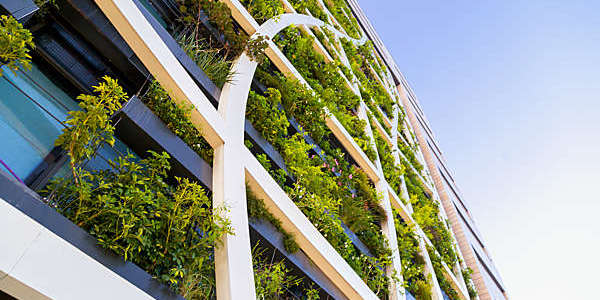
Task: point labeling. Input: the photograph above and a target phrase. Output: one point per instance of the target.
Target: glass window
(31, 108)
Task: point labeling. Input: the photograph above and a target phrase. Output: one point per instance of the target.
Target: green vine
(342, 13)
(327, 82)
(263, 10)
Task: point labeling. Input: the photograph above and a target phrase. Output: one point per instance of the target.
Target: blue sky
(511, 89)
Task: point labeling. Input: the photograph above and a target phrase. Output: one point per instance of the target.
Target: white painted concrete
(37, 264)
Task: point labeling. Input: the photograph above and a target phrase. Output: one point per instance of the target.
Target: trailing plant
(426, 214)
(466, 274)
(216, 67)
(220, 17)
(327, 82)
(413, 264)
(169, 231)
(323, 40)
(301, 6)
(410, 155)
(263, 10)
(323, 189)
(445, 285)
(392, 172)
(258, 211)
(177, 118)
(15, 44)
(342, 13)
(372, 90)
(271, 279)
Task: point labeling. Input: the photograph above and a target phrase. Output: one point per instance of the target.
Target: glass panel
(30, 107)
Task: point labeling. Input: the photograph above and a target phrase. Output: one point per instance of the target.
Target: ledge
(79, 254)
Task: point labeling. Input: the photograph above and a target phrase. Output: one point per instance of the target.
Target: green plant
(257, 210)
(312, 6)
(342, 13)
(438, 268)
(392, 172)
(216, 67)
(413, 264)
(177, 118)
(15, 44)
(327, 83)
(263, 10)
(169, 231)
(466, 273)
(219, 16)
(319, 192)
(271, 279)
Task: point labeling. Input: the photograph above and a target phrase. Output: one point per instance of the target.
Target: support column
(233, 259)
(388, 228)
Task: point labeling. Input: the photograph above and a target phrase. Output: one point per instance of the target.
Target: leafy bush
(321, 189)
(426, 214)
(257, 210)
(15, 44)
(169, 231)
(445, 285)
(327, 83)
(177, 119)
(220, 17)
(413, 264)
(263, 10)
(342, 13)
(216, 67)
(466, 273)
(391, 171)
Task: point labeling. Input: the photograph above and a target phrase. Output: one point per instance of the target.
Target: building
(290, 158)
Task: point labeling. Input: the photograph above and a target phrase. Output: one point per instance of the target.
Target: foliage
(177, 118)
(15, 44)
(324, 190)
(169, 231)
(445, 285)
(266, 115)
(327, 83)
(220, 17)
(410, 155)
(271, 280)
(298, 102)
(426, 214)
(466, 273)
(342, 13)
(413, 264)
(361, 59)
(263, 10)
(392, 172)
(301, 6)
(216, 67)
(257, 210)
(326, 43)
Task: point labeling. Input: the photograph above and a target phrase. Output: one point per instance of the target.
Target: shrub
(169, 231)
(15, 44)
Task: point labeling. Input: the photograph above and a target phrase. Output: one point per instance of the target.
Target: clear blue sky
(511, 89)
